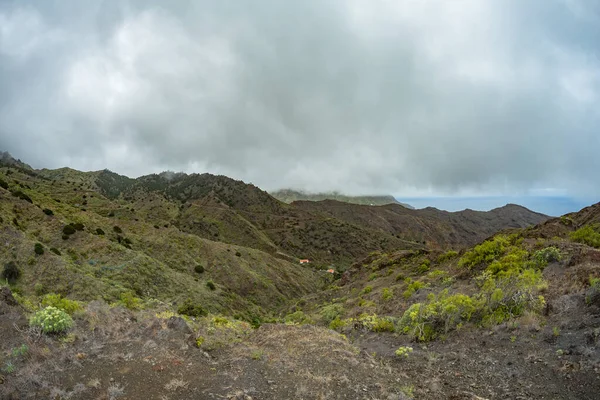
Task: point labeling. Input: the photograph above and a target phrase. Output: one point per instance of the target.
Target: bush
(210, 285)
(404, 351)
(128, 300)
(367, 289)
(22, 196)
(199, 269)
(52, 320)
(78, 226)
(427, 321)
(449, 255)
(331, 312)
(69, 229)
(99, 231)
(485, 252)
(387, 294)
(412, 288)
(38, 248)
(238, 254)
(191, 309)
(48, 211)
(298, 317)
(424, 267)
(338, 323)
(509, 294)
(11, 272)
(588, 235)
(57, 301)
(65, 236)
(375, 323)
(3, 184)
(547, 255)
(117, 229)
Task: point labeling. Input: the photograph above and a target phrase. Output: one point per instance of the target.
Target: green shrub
(64, 304)
(331, 312)
(403, 351)
(130, 301)
(412, 288)
(199, 269)
(65, 236)
(441, 314)
(510, 293)
(547, 255)
(387, 294)
(48, 211)
(588, 235)
(3, 184)
(191, 309)
(238, 254)
(485, 252)
(424, 267)
(78, 226)
(39, 289)
(69, 229)
(38, 248)
(99, 231)
(449, 255)
(117, 229)
(22, 196)
(593, 292)
(338, 323)
(11, 272)
(367, 289)
(51, 320)
(375, 323)
(55, 251)
(210, 285)
(373, 276)
(298, 317)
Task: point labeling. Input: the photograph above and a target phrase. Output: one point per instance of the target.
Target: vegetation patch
(587, 235)
(51, 320)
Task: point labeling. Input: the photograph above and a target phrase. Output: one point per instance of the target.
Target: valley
(177, 286)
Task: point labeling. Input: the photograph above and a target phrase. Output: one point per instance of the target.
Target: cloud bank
(408, 97)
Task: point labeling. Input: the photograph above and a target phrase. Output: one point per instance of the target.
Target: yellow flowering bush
(51, 320)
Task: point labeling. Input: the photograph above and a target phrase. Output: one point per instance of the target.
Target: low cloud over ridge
(403, 97)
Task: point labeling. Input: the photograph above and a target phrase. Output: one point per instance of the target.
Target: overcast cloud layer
(414, 98)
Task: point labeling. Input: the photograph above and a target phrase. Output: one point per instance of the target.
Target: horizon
(553, 206)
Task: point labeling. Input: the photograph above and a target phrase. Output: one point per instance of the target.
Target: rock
(178, 324)
(7, 297)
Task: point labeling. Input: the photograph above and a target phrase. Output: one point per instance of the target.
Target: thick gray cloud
(407, 97)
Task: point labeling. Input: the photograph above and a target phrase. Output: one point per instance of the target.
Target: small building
(305, 261)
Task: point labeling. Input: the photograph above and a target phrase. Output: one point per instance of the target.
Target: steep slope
(290, 195)
(221, 209)
(435, 227)
(93, 247)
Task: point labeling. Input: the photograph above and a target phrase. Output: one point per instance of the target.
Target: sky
(464, 99)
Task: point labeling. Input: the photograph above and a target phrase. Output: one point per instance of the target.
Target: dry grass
(176, 384)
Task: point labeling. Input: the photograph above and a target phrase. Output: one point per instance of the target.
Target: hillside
(162, 279)
(439, 229)
(290, 195)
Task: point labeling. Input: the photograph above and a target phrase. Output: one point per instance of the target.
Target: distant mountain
(7, 160)
(435, 227)
(221, 209)
(290, 195)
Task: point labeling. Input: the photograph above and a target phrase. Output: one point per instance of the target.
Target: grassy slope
(160, 263)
